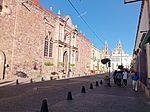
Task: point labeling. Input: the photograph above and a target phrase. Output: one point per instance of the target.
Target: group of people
(121, 77)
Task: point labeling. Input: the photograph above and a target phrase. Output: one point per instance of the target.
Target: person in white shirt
(125, 77)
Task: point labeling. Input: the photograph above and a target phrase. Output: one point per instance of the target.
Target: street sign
(130, 1)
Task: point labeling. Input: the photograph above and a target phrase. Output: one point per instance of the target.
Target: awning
(145, 40)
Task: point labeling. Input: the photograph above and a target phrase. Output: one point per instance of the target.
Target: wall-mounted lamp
(143, 31)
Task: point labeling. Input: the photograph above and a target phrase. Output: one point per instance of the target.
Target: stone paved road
(28, 97)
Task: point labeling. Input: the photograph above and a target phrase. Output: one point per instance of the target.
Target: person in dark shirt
(119, 78)
(114, 76)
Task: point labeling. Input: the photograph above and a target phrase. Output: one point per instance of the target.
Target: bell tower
(106, 49)
(119, 45)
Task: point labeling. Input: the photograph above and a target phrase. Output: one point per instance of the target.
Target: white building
(119, 57)
(96, 55)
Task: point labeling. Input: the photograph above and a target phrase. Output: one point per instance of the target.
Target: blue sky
(112, 20)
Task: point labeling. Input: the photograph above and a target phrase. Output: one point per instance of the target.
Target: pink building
(84, 54)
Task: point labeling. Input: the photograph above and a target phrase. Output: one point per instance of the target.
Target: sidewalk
(12, 80)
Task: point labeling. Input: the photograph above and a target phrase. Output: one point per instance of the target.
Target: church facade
(37, 42)
(119, 57)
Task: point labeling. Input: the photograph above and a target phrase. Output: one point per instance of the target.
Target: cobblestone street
(28, 97)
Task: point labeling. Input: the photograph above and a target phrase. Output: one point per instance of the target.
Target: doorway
(65, 61)
(2, 65)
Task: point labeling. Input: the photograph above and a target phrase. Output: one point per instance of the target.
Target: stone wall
(22, 37)
(84, 53)
(7, 34)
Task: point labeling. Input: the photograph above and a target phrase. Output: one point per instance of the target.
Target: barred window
(51, 48)
(46, 46)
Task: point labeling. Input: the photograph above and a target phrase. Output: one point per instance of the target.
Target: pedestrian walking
(119, 78)
(114, 76)
(135, 79)
(125, 78)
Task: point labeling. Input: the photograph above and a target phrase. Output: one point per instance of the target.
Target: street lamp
(121, 57)
(105, 61)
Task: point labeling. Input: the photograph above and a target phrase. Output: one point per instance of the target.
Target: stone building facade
(35, 41)
(96, 56)
(141, 53)
(66, 47)
(23, 36)
(84, 54)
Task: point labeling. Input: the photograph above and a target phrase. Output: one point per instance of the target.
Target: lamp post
(109, 65)
(121, 57)
(105, 61)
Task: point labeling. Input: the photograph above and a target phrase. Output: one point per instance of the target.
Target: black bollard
(91, 86)
(51, 78)
(42, 79)
(17, 82)
(109, 84)
(83, 90)
(101, 82)
(97, 84)
(31, 81)
(69, 97)
(44, 107)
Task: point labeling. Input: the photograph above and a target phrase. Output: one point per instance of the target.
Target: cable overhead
(112, 43)
(85, 22)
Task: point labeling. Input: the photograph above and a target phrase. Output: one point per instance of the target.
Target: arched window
(46, 46)
(76, 55)
(51, 48)
(65, 37)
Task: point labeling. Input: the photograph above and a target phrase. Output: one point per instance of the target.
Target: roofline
(43, 9)
(139, 21)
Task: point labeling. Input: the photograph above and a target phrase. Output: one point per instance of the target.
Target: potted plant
(87, 66)
(48, 63)
(72, 65)
(97, 67)
(61, 63)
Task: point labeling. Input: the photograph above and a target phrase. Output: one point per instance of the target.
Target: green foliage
(48, 63)
(106, 77)
(72, 65)
(97, 66)
(87, 66)
(61, 63)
